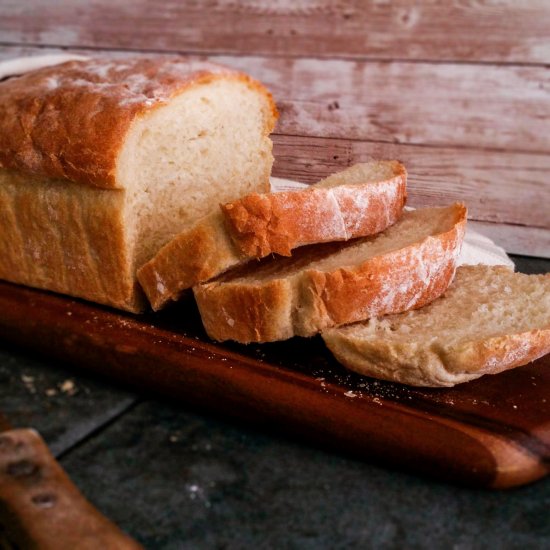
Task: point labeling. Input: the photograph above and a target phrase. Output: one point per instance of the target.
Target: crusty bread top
(490, 319)
(69, 121)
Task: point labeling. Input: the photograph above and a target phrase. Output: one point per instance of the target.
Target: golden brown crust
(497, 354)
(248, 313)
(67, 238)
(279, 222)
(69, 121)
(311, 300)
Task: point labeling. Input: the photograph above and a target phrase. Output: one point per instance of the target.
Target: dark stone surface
(175, 479)
(63, 406)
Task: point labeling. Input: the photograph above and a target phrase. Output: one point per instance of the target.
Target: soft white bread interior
(208, 145)
(320, 286)
(489, 320)
(361, 200)
(103, 161)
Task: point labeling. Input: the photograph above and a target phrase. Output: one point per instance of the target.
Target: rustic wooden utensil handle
(40, 507)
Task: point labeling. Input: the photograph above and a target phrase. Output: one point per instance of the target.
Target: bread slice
(103, 161)
(406, 266)
(362, 200)
(489, 320)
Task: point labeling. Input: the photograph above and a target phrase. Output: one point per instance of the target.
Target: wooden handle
(40, 507)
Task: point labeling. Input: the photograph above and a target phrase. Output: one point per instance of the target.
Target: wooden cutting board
(493, 432)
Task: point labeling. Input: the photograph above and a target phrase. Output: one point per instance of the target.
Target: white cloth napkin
(476, 249)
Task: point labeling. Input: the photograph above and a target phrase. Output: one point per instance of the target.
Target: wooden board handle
(41, 508)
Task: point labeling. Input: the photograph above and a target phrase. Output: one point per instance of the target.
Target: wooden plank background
(460, 91)
(509, 31)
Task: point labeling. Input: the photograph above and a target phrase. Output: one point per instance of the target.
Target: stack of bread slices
(343, 258)
(113, 171)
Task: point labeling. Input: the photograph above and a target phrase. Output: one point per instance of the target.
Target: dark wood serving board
(493, 432)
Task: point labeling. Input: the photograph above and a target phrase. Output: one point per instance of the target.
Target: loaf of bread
(359, 201)
(489, 320)
(104, 161)
(406, 266)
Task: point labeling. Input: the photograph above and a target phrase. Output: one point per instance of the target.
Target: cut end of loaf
(489, 320)
(182, 159)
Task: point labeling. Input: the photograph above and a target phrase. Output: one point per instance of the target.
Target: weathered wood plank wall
(509, 31)
(460, 91)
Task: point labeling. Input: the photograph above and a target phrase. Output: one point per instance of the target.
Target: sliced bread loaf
(361, 200)
(103, 161)
(406, 266)
(489, 320)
